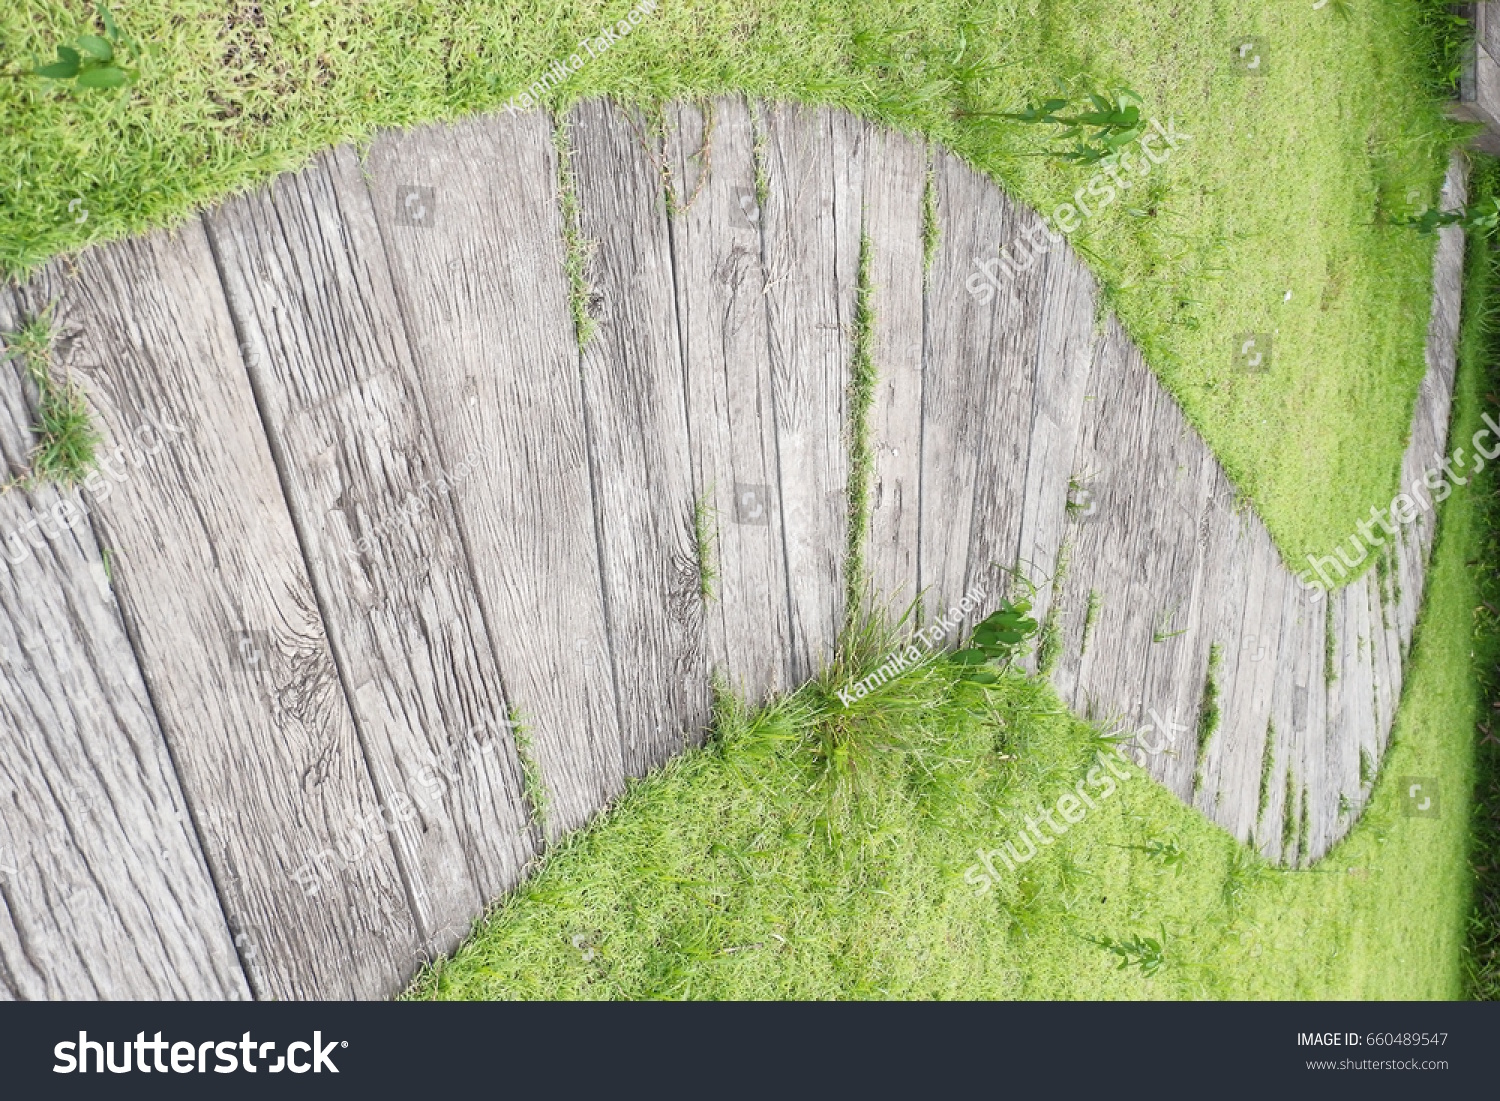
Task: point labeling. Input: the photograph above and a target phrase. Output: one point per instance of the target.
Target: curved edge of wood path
(379, 558)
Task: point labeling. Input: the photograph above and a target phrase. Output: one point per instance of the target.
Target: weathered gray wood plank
(1174, 573)
(484, 299)
(895, 184)
(1230, 567)
(637, 416)
(978, 374)
(721, 316)
(208, 571)
(812, 162)
(1136, 527)
(104, 893)
(1246, 682)
(307, 284)
(1065, 354)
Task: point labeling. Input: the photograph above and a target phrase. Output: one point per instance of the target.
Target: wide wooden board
(479, 279)
(311, 297)
(216, 596)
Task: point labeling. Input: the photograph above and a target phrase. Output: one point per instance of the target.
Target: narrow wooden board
(209, 574)
(485, 305)
(1351, 706)
(812, 161)
(311, 296)
(1134, 532)
(1230, 573)
(1298, 713)
(104, 893)
(1065, 356)
(636, 410)
(721, 316)
(1175, 572)
(979, 367)
(1246, 680)
(1005, 412)
(895, 185)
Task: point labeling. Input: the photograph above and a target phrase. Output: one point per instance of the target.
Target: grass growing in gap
(578, 250)
(932, 228)
(1330, 667)
(1208, 710)
(1304, 831)
(1090, 615)
(862, 382)
(1289, 183)
(1289, 818)
(67, 439)
(1267, 757)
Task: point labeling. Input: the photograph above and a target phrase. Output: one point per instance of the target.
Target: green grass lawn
(763, 866)
(1262, 225)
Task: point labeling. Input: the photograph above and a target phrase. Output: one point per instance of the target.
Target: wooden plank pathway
(387, 583)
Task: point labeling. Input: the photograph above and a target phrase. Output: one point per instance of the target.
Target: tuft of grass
(1366, 768)
(67, 440)
(533, 787)
(1164, 628)
(705, 527)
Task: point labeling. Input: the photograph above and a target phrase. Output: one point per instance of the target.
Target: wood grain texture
(722, 325)
(211, 580)
(1246, 676)
(210, 762)
(895, 183)
(104, 893)
(637, 414)
(1180, 602)
(485, 304)
(813, 164)
(1230, 568)
(1066, 351)
(308, 286)
(1130, 519)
